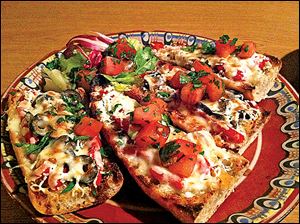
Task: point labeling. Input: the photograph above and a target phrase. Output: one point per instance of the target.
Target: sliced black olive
(72, 96)
(208, 111)
(146, 85)
(89, 167)
(69, 146)
(40, 98)
(40, 124)
(99, 80)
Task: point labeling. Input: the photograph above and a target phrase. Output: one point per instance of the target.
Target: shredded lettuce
(144, 60)
(58, 73)
(135, 44)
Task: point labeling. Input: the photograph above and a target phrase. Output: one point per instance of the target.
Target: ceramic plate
(267, 194)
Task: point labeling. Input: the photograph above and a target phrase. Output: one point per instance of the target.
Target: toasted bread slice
(260, 71)
(52, 189)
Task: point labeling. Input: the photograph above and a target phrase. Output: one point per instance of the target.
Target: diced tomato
(95, 145)
(263, 64)
(215, 89)
(145, 114)
(88, 127)
(99, 179)
(185, 166)
(85, 78)
(190, 95)
(136, 93)
(180, 156)
(58, 184)
(160, 103)
(199, 66)
(229, 135)
(122, 123)
(224, 50)
(156, 45)
(153, 134)
(30, 137)
(167, 66)
(239, 76)
(124, 50)
(219, 69)
(156, 174)
(175, 81)
(207, 78)
(247, 50)
(162, 175)
(113, 66)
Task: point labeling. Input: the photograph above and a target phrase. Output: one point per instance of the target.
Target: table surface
(32, 29)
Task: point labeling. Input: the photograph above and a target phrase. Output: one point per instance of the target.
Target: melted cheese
(114, 103)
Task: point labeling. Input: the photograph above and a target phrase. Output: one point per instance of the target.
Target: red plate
(267, 194)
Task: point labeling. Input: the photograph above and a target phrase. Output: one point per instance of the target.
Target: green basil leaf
(69, 187)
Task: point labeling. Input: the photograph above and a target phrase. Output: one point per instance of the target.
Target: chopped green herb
(246, 49)
(60, 120)
(164, 94)
(35, 148)
(12, 93)
(225, 38)
(88, 78)
(183, 79)
(94, 192)
(69, 187)
(166, 119)
(120, 142)
(208, 47)
(190, 48)
(233, 42)
(131, 115)
(169, 149)
(217, 83)
(146, 109)
(146, 98)
(115, 108)
(201, 153)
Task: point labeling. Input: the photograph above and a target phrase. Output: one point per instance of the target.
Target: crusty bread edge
(54, 203)
(153, 193)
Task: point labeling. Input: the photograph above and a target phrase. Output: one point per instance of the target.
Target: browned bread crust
(196, 209)
(51, 202)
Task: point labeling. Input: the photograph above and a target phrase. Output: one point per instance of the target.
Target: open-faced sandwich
(177, 116)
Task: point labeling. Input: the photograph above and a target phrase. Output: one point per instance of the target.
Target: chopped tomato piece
(156, 45)
(247, 50)
(180, 156)
(190, 95)
(85, 78)
(184, 166)
(99, 179)
(175, 81)
(219, 69)
(113, 66)
(215, 89)
(122, 49)
(239, 76)
(199, 66)
(88, 127)
(162, 175)
(263, 64)
(207, 78)
(224, 50)
(153, 134)
(160, 103)
(229, 134)
(95, 145)
(145, 114)
(122, 123)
